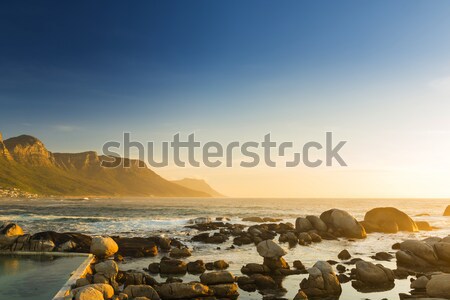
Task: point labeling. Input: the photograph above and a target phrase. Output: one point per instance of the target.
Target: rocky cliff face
(25, 163)
(29, 150)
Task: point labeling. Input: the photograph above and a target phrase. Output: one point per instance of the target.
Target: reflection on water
(34, 277)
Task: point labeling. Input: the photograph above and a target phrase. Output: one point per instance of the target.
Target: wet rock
(418, 255)
(442, 251)
(322, 281)
(300, 296)
(137, 247)
(253, 219)
(246, 283)
(253, 268)
(384, 256)
(343, 278)
(447, 211)
(341, 268)
(264, 282)
(183, 290)
(270, 249)
(180, 252)
(172, 279)
(371, 277)
(315, 238)
(172, 266)
(389, 220)
(303, 225)
(423, 225)
(400, 274)
(217, 277)
(439, 286)
(420, 283)
(82, 282)
(288, 237)
(304, 238)
(229, 290)
(221, 264)
(134, 291)
(103, 246)
(196, 267)
(275, 263)
(344, 255)
(153, 268)
(11, 229)
(342, 223)
(165, 243)
(317, 223)
(137, 278)
(216, 238)
(298, 265)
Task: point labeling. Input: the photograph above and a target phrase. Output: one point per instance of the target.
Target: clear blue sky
(76, 74)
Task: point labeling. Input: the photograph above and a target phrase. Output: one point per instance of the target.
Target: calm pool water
(34, 277)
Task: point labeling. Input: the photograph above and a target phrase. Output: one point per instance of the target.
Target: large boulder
(371, 277)
(217, 277)
(172, 266)
(108, 269)
(183, 290)
(447, 211)
(103, 246)
(134, 291)
(322, 282)
(344, 223)
(317, 223)
(443, 251)
(420, 249)
(229, 290)
(106, 290)
(11, 229)
(303, 225)
(439, 286)
(389, 220)
(269, 249)
(89, 293)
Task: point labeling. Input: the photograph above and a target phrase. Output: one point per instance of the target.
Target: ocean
(168, 217)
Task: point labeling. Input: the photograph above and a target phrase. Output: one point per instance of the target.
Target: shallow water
(145, 217)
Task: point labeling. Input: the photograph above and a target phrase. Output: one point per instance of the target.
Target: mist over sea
(168, 217)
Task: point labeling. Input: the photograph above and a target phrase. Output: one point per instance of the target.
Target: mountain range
(26, 164)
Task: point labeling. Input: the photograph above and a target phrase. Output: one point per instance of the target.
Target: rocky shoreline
(426, 263)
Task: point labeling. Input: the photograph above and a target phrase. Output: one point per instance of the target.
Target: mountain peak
(28, 149)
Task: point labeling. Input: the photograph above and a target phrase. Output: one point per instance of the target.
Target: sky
(376, 74)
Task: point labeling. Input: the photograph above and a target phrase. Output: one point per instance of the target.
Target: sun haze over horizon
(376, 74)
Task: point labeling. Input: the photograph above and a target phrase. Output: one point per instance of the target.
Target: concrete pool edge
(79, 272)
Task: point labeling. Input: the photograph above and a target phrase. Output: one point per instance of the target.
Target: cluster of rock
(432, 286)
(171, 266)
(430, 254)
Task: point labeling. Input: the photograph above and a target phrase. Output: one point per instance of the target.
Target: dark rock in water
(447, 211)
(343, 278)
(172, 266)
(423, 225)
(242, 240)
(317, 223)
(322, 282)
(341, 268)
(217, 277)
(439, 286)
(343, 224)
(389, 220)
(264, 282)
(137, 278)
(371, 277)
(396, 246)
(153, 268)
(400, 274)
(228, 291)
(180, 252)
(420, 283)
(304, 238)
(383, 256)
(301, 296)
(196, 267)
(136, 246)
(209, 266)
(332, 262)
(269, 249)
(315, 238)
(221, 264)
(65, 242)
(165, 243)
(424, 256)
(253, 219)
(303, 225)
(275, 263)
(246, 283)
(344, 255)
(172, 279)
(253, 268)
(298, 265)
